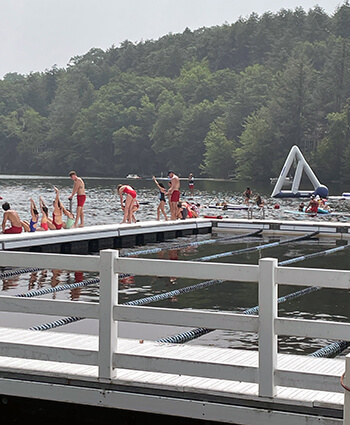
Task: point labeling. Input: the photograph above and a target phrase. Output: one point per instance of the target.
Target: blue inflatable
(322, 191)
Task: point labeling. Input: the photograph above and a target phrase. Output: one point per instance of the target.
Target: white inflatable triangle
(302, 166)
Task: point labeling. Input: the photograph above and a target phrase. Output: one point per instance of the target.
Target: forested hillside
(231, 98)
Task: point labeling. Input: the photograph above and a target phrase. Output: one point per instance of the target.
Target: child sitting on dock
(259, 201)
(32, 225)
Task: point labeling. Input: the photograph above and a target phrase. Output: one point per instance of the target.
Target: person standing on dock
(174, 191)
(162, 200)
(247, 195)
(13, 217)
(191, 183)
(79, 189)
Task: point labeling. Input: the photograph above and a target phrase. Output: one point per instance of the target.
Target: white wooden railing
(267, 324)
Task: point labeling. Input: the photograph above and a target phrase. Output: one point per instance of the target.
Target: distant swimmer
(174, 192)
(79, 190)
(13, 217)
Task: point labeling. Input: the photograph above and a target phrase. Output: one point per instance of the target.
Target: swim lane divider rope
(58, 288)
(196, 333)
(10, 273)
(258, 247)
(205, 242)
(122, 275)
(186, 336)
(154, 298)
(141, 301)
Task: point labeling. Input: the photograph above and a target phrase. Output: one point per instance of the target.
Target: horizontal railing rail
(267, 373)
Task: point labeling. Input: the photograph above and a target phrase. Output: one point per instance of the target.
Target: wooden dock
(191, 381)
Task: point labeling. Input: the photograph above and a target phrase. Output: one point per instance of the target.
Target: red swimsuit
(129, 191)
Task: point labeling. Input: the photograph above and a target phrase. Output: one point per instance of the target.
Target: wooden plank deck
(48, 370)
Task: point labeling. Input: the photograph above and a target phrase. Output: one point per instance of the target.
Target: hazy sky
(37, 34)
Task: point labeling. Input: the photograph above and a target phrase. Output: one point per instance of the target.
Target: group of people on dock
(248, 194)
(178, 209)
(315, 203)
(48, 223)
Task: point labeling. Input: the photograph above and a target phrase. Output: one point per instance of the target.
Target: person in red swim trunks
(174, 192)
(129, 201)
(13, 217)
(79, 189)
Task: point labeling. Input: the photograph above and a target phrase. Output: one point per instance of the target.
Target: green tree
(219, 151)
(333, 153)
(256, 154)
(32, 144)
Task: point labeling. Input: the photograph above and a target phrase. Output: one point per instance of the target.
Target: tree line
(230, 99)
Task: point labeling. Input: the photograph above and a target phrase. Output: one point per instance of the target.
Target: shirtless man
(174, 192)
(79, 189)
(13, 217)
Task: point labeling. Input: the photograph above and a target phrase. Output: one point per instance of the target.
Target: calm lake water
(102, 207)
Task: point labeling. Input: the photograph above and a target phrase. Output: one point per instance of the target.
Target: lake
(103, 207)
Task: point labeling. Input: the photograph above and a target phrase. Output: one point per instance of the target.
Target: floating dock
(93, 239)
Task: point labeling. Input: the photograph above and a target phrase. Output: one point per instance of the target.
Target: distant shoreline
(33, 177)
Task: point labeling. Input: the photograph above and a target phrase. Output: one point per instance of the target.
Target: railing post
(346, 384)
(107, 326)
(267, 336)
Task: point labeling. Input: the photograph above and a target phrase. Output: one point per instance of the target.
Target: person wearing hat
(174, 193)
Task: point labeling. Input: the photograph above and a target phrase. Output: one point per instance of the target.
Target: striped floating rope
(258, 247)
(142, 301)
(209, 241)
(55, 324)
(315, 254)
(10, 273)
(58, 288)
(166, 295)
(331, 350)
